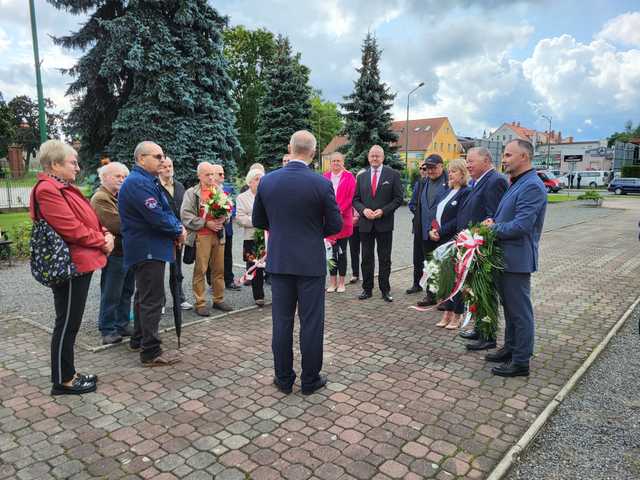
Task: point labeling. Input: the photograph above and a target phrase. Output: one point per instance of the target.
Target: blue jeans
(116, 290)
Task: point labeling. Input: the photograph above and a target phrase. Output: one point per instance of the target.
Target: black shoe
(233, 286)
(510, 369)
(282, 388)
(89, 378)
(78, 387)
(427, 301)
(126, 332)
(414, 289)
(317, 385)
(387, 297)
(501, 355)
(364, 295)
(469, 335)
(111, 339)
(441, 308)
(481, 345)
(134, 347)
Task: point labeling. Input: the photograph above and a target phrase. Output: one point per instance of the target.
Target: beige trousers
(209, 253)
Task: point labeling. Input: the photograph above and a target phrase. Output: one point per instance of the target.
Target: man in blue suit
(487, 189)
(299, 209)
(518, 226)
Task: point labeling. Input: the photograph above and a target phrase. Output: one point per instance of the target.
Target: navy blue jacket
(299, 209)
(228, 226)
(425, 211)
(483, 200)
(449, 219)
(147, 223)
(518, 223)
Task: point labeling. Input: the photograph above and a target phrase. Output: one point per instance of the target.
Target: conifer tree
(286, 105)
(165, 80)
(368, 117)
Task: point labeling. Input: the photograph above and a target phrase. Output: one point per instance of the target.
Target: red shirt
(70, 214)
(205, 194)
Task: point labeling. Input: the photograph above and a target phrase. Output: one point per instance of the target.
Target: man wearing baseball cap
(428, 197)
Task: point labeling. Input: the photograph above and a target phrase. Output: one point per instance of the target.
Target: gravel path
(595, 433)
(20, 294)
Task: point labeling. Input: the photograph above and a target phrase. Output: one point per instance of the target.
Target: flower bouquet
(218, 204)
(259, 246)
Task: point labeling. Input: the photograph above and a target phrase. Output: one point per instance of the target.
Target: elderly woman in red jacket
(344, 186)
(65, 209)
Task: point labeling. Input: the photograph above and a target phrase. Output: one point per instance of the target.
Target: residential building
(426, 136)
(513, 130)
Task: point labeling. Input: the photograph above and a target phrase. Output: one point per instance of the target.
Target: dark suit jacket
(431, 209)
(519, 221)
(449, 219)
(175, 202)
(299, 209)
(388, 198)
(482, 202)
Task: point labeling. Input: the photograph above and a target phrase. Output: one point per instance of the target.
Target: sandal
(445, 320)
(454, 324)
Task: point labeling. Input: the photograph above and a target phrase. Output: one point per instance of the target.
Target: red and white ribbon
(470, 242)
(258, 263)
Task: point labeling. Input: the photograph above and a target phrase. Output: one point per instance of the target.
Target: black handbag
(189, 255)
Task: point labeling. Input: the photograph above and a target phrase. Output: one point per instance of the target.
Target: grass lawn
(27, 181)
(560, 197)
(8, 220)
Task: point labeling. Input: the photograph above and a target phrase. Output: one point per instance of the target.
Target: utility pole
(406, 145)
(548, 118)
(42, 124)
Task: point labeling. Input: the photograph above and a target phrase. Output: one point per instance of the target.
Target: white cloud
(623, 29)
(588, 121)
(5, 41)
(579, 79)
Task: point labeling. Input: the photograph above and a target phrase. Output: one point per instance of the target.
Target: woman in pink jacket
(344, 186)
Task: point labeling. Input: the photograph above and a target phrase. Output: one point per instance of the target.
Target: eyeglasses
(157, 156)
(220, 174)
(423, 168)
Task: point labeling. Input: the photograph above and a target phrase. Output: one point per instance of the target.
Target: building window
(448, 147)
(442, 146)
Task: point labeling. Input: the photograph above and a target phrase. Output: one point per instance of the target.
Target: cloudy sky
(483, 62)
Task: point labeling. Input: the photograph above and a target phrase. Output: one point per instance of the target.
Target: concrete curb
(529, 436)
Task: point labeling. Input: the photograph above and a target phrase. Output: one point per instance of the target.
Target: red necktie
(374, 182)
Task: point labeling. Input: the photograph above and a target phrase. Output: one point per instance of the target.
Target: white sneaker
(162, 310)
(186, 306)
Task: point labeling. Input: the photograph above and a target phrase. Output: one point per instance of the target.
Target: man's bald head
(376, 156)
(302, 146)
(207, 174)
(149, 155)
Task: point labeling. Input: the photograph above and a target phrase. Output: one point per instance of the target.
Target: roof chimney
(518, 124)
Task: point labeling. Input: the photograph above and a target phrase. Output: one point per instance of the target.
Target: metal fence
(14, 194)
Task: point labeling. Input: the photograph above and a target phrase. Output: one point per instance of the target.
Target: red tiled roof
(420, 135)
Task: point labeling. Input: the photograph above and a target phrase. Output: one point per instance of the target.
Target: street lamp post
(406, 145)
(548, 118)
(42, 125)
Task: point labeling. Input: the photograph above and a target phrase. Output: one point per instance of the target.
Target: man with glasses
(418, 257)
(207, 234)
(433, 187)
(149, 232)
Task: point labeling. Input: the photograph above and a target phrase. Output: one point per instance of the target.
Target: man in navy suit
(298, 208)
(518, 226)
(487, 189)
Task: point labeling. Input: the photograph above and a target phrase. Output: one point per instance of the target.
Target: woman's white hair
(102, 171)
(252, 175)
(54, 151)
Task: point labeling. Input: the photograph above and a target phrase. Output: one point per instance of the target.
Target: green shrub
(590, 195)
(20, 235)
(631, 171)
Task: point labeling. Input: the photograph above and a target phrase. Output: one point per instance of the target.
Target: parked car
(592, 178)
(622, 186)
(550, 181)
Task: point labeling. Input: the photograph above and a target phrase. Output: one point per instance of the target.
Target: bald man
(378, 195)
(207, 235)
(299, 209)
(116, 282)
(150, 231)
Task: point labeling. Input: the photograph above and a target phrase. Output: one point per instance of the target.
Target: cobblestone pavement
(595, 433)
(405, 400)
(20, 294)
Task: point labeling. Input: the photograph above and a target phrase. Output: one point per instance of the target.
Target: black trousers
(354, 247)
(340, 258)
(176, 277)
(148, 302)
(69, 299)
(455, 305)
(383, 241)
(228, 261)
(257, 284)
(308, 294)
(418, 259)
